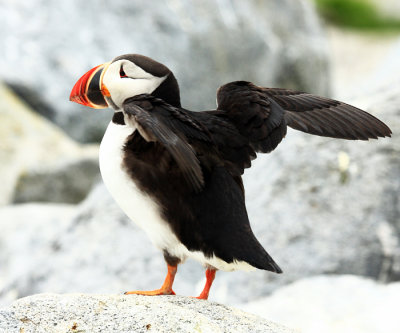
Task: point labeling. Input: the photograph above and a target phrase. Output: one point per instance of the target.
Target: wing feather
(154, 125)
(327, 117)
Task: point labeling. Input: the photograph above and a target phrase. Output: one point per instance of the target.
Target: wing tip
(273, 267)
(383, 132)
(278, 270)
(270, 265)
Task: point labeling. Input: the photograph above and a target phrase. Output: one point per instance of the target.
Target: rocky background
(327, 210)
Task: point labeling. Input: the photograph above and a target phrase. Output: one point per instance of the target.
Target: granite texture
(139, 314)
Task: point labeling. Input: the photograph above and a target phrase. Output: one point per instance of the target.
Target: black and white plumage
(177, 173)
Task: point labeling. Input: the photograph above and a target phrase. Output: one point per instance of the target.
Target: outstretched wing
(160, 122)
(263, 114)
(326, 117)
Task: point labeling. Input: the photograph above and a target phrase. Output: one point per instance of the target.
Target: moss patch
(356, 14)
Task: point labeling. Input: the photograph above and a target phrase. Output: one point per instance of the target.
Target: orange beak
(89, 89)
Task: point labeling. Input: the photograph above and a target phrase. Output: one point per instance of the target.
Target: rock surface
(332, 304)
(31, 146)
(28, 240)
(205, 43)
(106, 313)
(68, 182)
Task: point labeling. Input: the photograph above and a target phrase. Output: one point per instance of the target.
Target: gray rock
(109, 313)
(332, 304)
(38, 161)
(69, 182)
(29, 237)
(205, 43)
(8, 322)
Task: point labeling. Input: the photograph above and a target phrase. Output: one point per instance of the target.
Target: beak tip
(73, 97)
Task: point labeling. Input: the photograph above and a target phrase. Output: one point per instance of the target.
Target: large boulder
(38, 161)
(205, 43)
(109, 313)
(332, 304)
(66, 182)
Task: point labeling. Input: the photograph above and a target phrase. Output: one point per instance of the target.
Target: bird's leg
(210, 276)
(166, 288)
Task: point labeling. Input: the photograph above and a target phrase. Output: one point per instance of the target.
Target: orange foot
(156, 292)
(166, 288)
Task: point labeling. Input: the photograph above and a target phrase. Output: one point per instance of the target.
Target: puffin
(177, 173)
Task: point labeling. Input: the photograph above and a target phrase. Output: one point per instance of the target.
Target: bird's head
(110, 84)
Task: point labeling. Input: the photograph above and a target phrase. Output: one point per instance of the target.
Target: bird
(177, 173)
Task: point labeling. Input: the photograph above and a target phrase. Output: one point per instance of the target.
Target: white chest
(139, 207)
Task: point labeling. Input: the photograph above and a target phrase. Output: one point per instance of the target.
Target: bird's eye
(122, 73)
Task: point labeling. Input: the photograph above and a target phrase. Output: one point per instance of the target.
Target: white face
(136, 81)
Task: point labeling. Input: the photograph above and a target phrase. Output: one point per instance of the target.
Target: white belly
(139, 207)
